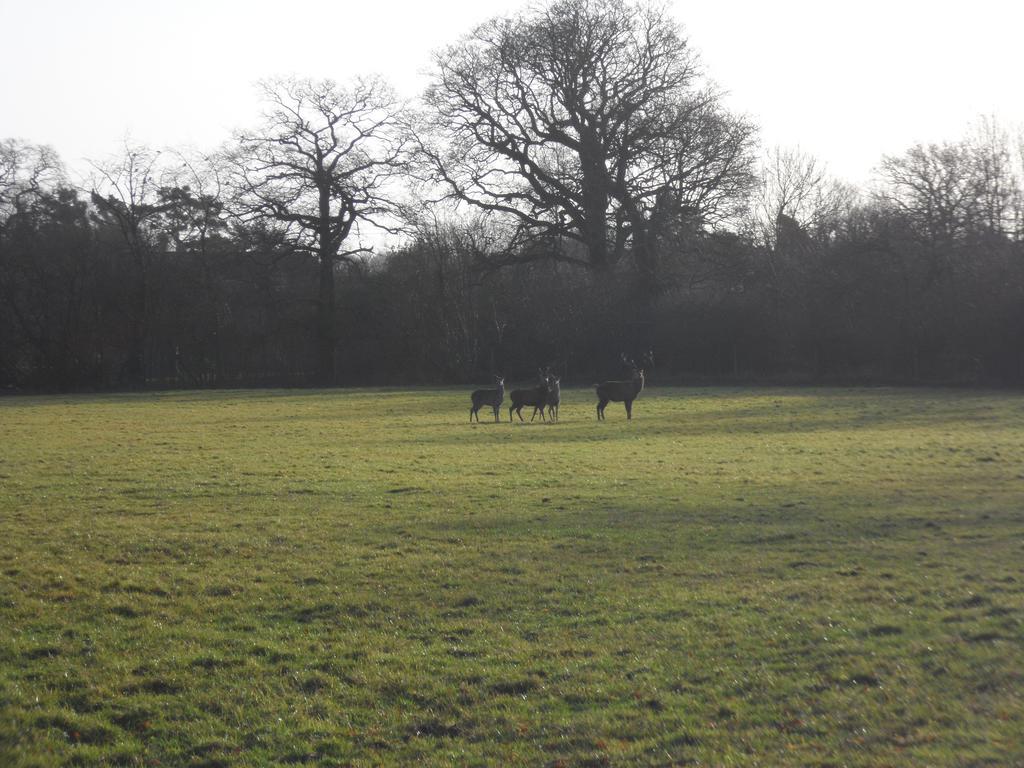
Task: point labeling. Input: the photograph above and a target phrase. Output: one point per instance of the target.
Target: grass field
(736, 577)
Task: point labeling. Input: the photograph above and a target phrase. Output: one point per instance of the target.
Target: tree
(195, 230)
(130, 195)
(937, 188)
(27, 171)
(960, 198)
(999, 184)
(319, 164)
(582, 121)
(796, 192)
(44, 268)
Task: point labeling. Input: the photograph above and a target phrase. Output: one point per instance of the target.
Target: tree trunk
(595, 202)
(327, 251)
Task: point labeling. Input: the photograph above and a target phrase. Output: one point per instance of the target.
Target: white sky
(846, 81)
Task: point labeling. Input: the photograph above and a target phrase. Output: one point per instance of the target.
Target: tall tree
(319, 164)
(45, 269)
(583, 121)
(129, 195)
(195, 227)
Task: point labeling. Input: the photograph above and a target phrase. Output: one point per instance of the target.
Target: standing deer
(554, 396)
(491, 397)
(620, 391)
(535, 396)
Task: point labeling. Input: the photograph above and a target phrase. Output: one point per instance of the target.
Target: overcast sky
(846, 81)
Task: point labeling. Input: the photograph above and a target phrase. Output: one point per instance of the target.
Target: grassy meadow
(744, 577)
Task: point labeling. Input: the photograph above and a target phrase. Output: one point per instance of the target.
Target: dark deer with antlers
(535, 396)
(491, 397)
(621, 391)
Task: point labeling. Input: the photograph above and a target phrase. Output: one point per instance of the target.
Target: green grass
(736, 577)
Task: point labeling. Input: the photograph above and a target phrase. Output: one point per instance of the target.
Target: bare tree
(1018, 204)
(318, 165)
(998, 183)
(686, 182)
(937, 188)
(582, 121)
(26, 171)
(129, 194)
(797, 192)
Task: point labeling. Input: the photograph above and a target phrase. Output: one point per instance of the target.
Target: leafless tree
(1018, 204)
(998, 183)
(26, 171)
(450, 250)
(797, 193)
(583, 122)
(937, 188)
(318, 165)
(128, 193)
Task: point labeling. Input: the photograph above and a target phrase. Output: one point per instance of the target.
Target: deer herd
(547, 395)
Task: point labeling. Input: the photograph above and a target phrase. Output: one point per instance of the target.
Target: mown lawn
(736, 577)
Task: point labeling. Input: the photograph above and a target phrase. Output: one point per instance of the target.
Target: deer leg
(629, 409)
(471, 412)
(496, 409)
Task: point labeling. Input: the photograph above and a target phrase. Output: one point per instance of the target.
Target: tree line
(569, 188)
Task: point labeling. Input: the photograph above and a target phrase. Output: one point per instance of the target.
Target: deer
(491, 397)
(620, 391)
(554, 397)
(535, 396)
